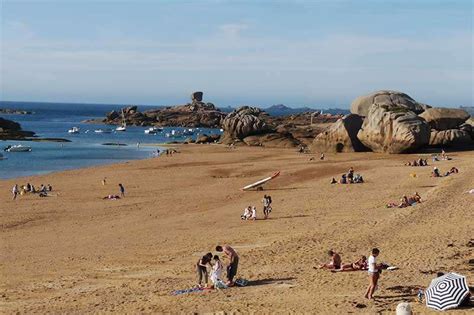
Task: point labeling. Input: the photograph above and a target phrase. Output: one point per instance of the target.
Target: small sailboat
(74, 130)
(18, 148)
(122, 127)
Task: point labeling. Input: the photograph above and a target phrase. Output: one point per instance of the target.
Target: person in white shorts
(374, 273)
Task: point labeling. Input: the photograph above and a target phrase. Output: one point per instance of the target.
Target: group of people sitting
(436, 172)
(349, 178)
(250, 212)
(419, 162)
(336, 265)
(406, 201)
(42, 191)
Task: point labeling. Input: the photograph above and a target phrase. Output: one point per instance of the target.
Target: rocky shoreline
(11, 111)
(10, 130)
(193, 115)
(383, 121)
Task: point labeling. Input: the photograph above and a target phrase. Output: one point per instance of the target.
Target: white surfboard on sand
(261, 182)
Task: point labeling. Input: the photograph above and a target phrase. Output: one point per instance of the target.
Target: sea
(53, 120)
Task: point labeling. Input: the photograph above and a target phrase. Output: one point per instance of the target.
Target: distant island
(12, 111)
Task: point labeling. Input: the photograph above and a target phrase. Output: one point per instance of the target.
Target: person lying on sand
(335, 262)
(414, 199)
(453, 170)
(403, 203)
(360, 264)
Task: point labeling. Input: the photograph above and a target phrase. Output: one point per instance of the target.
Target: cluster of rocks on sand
(253, 126)
(393, 122)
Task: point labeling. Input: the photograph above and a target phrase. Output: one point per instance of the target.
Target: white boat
(188, 132)
(18, 148)
(103, 131)
(123, 127)
(74, 130)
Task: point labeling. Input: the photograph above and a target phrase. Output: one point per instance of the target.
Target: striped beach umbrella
(447, 291)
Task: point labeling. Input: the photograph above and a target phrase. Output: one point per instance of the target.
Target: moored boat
(18, 148)
(74, 130)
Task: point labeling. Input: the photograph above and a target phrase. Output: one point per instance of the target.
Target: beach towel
(219, 284)
(185, 291)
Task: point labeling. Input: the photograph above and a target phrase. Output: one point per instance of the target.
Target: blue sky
(314, 53)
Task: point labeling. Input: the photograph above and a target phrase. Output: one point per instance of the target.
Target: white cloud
(232, 62)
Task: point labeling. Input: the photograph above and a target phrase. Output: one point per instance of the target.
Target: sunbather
(335, 262)
(360, 264)
(435, 172)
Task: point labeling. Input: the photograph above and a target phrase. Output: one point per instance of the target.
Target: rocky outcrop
(450, 137)
(391, 129)
(10, 130)
(253, 126)
(390, 99)
(206, 139)
(11, 111)
(243, 122)
(271, 140)
(340, 136)
(445, 118)
(192, 115)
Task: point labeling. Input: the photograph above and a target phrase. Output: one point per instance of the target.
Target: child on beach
(216, 271)
(247, 213)
(254, 213)
(374, 273)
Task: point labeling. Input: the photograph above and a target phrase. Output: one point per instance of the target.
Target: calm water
(53, 120)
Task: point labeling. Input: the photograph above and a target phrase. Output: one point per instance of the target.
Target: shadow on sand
(269, 281)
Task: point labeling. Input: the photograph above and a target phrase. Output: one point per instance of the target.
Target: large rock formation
(392, 129)
(271, 140)
(244, 121)
(445, 118)
(361, 105)
(194, 114)
(450, 137)
(340, 136)
(10, 130)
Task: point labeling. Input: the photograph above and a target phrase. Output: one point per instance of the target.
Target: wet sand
(74, 252)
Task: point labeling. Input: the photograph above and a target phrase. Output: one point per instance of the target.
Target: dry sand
(76, 253)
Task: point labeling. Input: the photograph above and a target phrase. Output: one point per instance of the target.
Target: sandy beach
(75, 253)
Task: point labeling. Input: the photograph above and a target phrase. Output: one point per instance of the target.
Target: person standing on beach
(15, 191)
(122, 190)
(267, 201)
(201, 269)
(104, 181)
(374, 273)
(233, 264)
